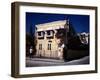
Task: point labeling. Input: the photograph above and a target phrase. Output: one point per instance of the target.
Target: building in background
(84, 37)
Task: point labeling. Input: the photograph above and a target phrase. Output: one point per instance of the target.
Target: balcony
(50, 34)
(40, 35)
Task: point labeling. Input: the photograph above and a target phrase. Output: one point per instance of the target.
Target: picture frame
(19, 13)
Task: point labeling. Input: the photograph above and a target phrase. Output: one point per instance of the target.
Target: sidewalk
(45, 60)
(84, 60)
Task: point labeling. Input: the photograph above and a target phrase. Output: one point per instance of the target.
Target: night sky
(79, 22)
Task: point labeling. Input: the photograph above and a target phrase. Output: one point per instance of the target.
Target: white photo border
(52, 69)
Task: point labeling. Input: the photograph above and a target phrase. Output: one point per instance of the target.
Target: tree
(30, 42)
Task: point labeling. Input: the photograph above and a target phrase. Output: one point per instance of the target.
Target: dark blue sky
(79, 22)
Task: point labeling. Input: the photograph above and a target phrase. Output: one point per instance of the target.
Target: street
(37, 62)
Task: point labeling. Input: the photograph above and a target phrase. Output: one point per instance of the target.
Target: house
(51, 38)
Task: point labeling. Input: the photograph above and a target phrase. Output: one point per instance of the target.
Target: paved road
(33, 62)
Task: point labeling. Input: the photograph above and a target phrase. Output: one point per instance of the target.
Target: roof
(51, 25)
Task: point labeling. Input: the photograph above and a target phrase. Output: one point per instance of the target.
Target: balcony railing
(40, 35)
(49, 34)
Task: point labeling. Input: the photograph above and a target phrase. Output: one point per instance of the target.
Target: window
(39, 33)
(40, 46)
(49, 46)
(48, 32)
